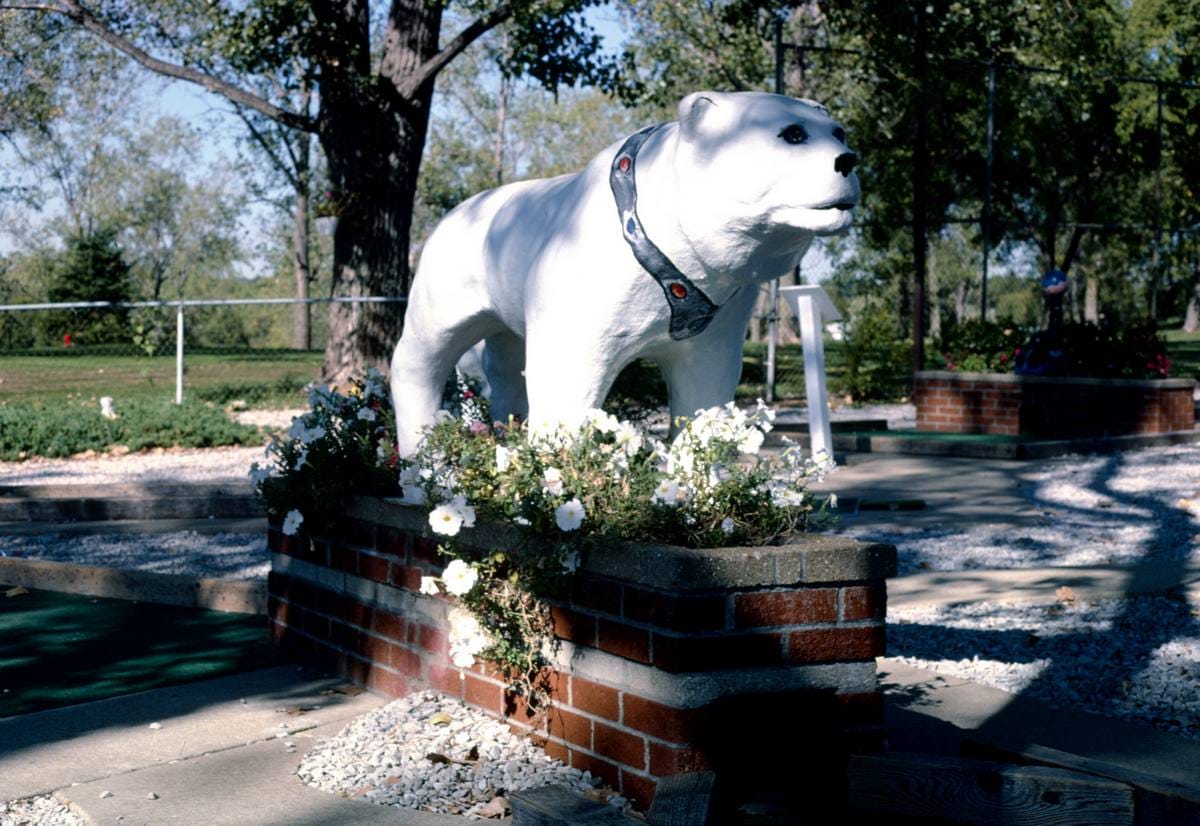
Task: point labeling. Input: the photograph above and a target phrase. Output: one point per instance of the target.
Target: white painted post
(814, 310)
(179, 354)
(772, 336)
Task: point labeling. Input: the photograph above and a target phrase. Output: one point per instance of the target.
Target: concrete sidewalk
(218, 757)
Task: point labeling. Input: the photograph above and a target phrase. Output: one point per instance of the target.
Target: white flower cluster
(467, 638)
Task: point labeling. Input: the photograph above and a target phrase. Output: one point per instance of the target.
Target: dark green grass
(61, 649)
(1184, 350)
(265, 379)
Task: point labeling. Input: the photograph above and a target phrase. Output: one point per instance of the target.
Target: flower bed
(750, 660)
(1051, 407)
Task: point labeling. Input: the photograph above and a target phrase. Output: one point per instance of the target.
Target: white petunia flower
(259, 474)
(504, 458)
(727, 525)
(413, 495)
(446, 520)
(429, 586)
(629, 439)
(569, 515)
(461, 657)
(292, 522)
(522, 521)
(570, 562)
(366, 414)
(833, 501)
(466, 511)
(458, 578)
(602, 421)
(752, 439)
(667, 493)
(552, 482)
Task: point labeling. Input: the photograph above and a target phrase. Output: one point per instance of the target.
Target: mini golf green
(60, 649)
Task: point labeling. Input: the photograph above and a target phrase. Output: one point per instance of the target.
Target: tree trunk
(1091, 299)
(960, 302)
(1191, 318)
(935, 304)
(373, 140)
(301, 312)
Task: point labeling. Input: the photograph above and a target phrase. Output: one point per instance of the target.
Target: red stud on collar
(624, 164)
(679, 291)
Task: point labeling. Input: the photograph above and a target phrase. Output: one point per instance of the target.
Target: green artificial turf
(60, 649)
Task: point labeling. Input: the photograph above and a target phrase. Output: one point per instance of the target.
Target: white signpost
(814, 310)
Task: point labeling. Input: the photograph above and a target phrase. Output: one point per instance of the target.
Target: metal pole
(179, 354)
(773, 291)
(987, 190)
(1155, 260)
(919, 180)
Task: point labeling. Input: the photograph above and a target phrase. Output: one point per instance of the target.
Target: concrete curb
(1015, 449)
(70, 503)
(234, 596)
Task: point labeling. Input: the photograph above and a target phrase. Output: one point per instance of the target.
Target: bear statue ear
(820, 107)
(696, 110)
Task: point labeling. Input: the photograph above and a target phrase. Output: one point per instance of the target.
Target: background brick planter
(757, 662)
(1011, 405)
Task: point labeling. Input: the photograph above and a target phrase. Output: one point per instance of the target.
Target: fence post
(179, 354)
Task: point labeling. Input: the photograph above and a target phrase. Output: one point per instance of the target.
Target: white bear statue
(654, 250)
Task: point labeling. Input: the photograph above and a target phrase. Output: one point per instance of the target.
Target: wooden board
(560, 806)
(973, 791)
(1157, 801)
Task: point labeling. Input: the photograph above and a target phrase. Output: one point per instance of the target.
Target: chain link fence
(224, 351)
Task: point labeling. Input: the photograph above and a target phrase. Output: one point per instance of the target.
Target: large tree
(373, 72)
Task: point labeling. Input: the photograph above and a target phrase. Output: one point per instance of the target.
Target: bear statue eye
(794, 134)
(840, 134)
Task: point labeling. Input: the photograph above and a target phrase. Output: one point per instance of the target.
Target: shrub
(253, 392)
(63, 430)
(978, 346)
(878, 359)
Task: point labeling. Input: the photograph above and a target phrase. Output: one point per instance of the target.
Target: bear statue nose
(844, 163)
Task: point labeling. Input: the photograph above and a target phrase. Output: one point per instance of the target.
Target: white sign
(814, 310)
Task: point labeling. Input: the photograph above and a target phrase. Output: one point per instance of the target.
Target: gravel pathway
(173, 466)
(1137, 660)
(1117, 509)
(218, 555)
(430, 752)
(38, 811)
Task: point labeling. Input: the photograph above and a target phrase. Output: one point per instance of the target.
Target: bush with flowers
(565, 487)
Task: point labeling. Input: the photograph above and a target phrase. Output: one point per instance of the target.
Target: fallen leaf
(434, 757)
(295, 711)
(349, 690)
(496, 807)
(441, 719)
(1065, 594)
(16, 592)
(473, 754)
(360, 791)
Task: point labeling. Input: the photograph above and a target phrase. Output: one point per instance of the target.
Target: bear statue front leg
(566, 377)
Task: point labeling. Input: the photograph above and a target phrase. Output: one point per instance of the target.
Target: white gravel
(384, 757)
(162, 466)
(1096, 510)
(38, 811)
(218, 555)
(1137, 660)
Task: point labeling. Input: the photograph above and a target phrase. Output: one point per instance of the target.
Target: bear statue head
(762, 169)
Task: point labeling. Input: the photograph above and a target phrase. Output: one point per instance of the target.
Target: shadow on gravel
(1111, 658)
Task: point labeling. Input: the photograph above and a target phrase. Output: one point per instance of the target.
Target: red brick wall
(333, 608)
(1051, 408)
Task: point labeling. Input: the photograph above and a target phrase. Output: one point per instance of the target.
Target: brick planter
(1048, 407)
(756, 662)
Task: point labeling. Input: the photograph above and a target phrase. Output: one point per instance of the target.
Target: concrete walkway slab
(928, 712)
(1089, 584)
(249, 524)
(252, 785)
(52, 749)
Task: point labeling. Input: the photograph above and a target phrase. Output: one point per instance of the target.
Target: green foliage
(92, 268)
(878, 358)
(981, 346)
(638, 393)
(66, 429)
(254, 393)
(1135, 351)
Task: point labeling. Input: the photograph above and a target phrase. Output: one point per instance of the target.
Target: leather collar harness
(691, 309)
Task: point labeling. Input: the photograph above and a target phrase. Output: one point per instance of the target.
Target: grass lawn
(268, 379)
(61, 649)
(1184, 350)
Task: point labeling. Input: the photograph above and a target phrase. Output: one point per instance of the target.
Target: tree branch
(93, 24)
(408, 85)
(265, 146)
